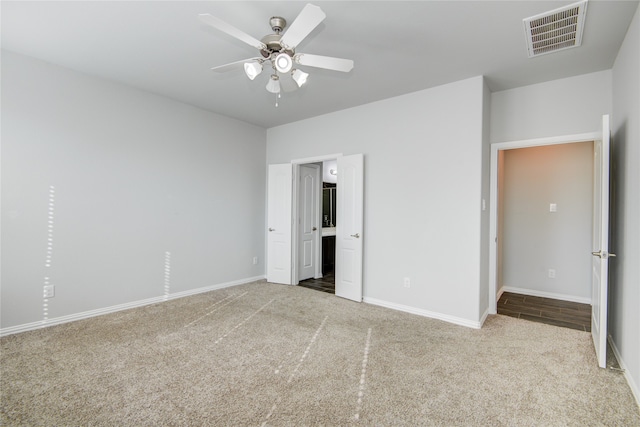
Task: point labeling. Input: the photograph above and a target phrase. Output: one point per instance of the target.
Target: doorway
(307, 222)
(325, 280)
(545, 198)
(545, 221)
(600, 224)
(541, 207)
(282, 230)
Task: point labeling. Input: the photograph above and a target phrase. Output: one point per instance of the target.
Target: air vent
(555, 30)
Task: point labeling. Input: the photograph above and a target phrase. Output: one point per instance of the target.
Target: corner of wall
(624, 298)
(483, 289)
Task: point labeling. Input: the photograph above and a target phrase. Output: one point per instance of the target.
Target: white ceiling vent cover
(555, 30)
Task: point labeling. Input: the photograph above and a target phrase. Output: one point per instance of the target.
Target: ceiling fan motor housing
(277, 24)
(272, 41)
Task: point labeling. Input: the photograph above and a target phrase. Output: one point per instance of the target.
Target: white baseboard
(115, 308)
(635, 389)
(542, 294)
(484, 317)
(426, 313)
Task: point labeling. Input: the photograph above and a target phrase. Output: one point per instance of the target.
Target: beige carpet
(264, 354)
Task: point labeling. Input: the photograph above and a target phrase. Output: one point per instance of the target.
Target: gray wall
(534, 239)
(624, 297)
(134, 176)
(423, 191)
(559, 107)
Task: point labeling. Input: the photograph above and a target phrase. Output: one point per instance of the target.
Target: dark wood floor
(565, 314)
(546, 310)
(326, 284)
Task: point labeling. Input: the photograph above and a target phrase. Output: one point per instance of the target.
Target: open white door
(349, 227)
(600, 261)
(279, 224)
(308, 221)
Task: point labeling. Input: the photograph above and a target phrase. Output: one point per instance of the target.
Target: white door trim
(316, 159)
(493, 196)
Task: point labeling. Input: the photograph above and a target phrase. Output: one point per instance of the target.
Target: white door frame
(493, 197)
(295, 202)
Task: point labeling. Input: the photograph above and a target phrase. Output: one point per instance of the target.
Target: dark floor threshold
(549, 311)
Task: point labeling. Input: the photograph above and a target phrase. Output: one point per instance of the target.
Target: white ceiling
(398, 47)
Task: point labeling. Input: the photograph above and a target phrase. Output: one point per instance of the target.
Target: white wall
(624, 315)
(534, 239)
(135, 176)
(560, 107)
(423, 172)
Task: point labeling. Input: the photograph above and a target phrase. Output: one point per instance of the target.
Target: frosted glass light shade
(252, 69)
(299, 76)
(273, 85)
(283, 63)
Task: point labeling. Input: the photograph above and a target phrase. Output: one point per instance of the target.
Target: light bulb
(252, 69)
(283, 63)
(299, 76)
(273, 85)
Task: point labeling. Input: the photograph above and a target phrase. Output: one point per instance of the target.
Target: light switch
(553, 207)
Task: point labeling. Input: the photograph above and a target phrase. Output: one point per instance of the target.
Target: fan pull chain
(277, 97)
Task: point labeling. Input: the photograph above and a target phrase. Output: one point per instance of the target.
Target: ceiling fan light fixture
(279, 49)
(299, 76)
(252, 69)
(284, 63)
(273, 85)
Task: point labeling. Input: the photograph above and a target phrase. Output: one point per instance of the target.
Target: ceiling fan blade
(219, 24)
(232, 65)
(328, 62)
(308, 19)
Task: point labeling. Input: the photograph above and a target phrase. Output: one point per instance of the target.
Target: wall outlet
(407, 282)
(552, 273)
(49, 291)
(255, 260)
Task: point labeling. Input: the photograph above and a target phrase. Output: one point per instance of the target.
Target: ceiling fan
(278, 50)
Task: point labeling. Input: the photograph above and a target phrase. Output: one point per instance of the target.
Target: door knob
(272, 229)
(314, 228)
(357, 235)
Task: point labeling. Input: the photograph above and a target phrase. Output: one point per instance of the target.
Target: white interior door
(279, 224)
(600, 261)
(308, 219)
(349, 227)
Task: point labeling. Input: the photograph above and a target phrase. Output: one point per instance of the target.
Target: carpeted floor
(264, 354)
